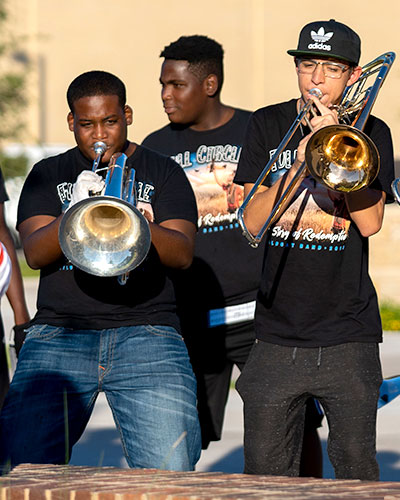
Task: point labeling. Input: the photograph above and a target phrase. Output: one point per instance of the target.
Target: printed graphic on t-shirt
(64, 191)
(145, 192)
(317, 220)
(210, 170)
(284, 162)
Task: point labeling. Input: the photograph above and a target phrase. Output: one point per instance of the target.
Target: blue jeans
(145, 374)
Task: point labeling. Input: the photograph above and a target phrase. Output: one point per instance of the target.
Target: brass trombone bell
(342, 158)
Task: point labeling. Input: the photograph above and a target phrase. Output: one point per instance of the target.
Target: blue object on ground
(389, 390)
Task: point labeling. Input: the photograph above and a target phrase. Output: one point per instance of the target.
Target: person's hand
(327, 114)
(86, 182)
(300, 155)
(19, 336)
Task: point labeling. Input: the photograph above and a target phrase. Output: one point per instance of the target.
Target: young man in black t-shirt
(317, 318)
(216, 296)
(91, 333)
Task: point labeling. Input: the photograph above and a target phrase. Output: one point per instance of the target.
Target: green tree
(13, 166)
(13, 95)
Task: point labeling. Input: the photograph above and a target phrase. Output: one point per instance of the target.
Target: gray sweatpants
(275, 384)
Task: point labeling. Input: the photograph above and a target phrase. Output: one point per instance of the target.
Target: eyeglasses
(330, 69)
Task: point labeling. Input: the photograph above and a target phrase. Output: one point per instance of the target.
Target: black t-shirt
(315, 288)
(226, 270)
(72, 298)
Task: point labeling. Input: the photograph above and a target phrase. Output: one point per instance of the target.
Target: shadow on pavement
(389, 463)
(99, 448)
(231, 463)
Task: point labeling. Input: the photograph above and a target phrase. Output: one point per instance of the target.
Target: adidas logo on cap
(320, 37)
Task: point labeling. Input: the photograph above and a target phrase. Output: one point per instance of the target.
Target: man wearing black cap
(317, 318)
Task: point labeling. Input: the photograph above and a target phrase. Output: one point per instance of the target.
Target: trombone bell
(342, 158)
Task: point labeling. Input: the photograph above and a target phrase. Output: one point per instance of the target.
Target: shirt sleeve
(38, 195)
(264, 133)
(254, 151)
(175, 197)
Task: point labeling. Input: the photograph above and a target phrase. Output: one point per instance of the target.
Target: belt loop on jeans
(294, 355)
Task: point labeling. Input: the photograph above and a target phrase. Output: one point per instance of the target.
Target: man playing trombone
(317, 318)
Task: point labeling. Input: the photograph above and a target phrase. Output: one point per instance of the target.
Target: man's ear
(354, 75)
(211, 84)
(70, 120)
(128, 115)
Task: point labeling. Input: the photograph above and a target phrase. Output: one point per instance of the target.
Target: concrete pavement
(100, 444)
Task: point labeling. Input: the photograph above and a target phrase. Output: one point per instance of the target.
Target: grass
(390, 314)
(26, 271)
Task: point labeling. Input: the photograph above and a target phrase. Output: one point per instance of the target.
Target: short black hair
(94, 83)
(204, 55)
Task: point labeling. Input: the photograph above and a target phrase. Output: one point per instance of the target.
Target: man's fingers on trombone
(301, 149)
(324, 109)
(320, 104)
(328, 117)
(323, 121)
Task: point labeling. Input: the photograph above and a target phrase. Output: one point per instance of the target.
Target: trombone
(341, 157)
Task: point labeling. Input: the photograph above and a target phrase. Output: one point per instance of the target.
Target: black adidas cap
(328, 38)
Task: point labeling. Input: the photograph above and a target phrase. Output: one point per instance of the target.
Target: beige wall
(126, 36)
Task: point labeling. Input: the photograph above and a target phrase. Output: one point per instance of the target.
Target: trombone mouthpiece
(99, 147)
(316, 92)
